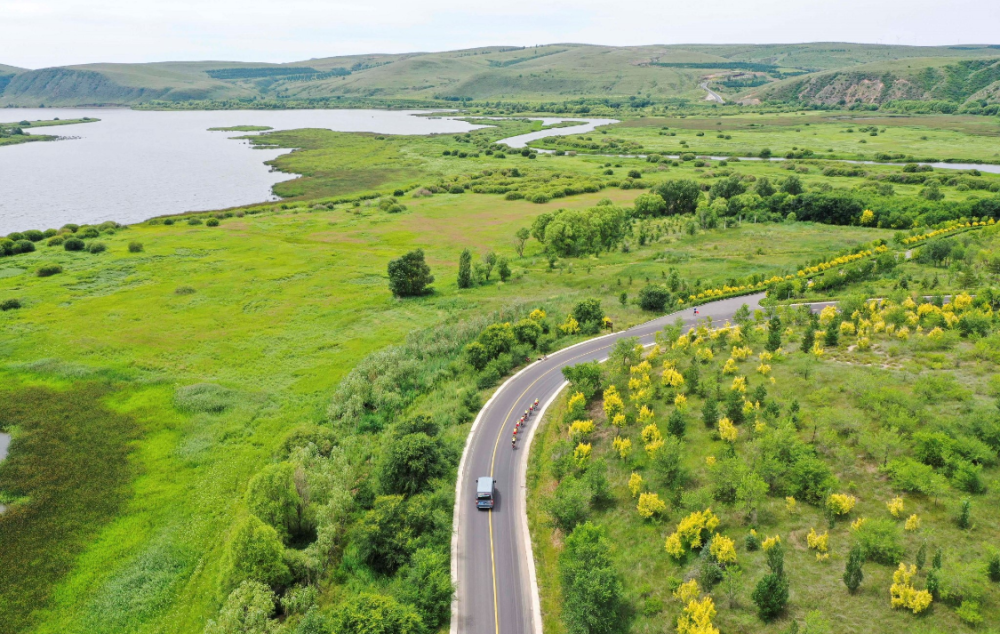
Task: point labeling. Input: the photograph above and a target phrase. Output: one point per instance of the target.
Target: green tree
(742, 315)
(808, 339)
(677, 423)
(585, 378)
(489, 262)
(465, 269)
(764, 188)
(271, 496)
(497, 339)
(593, 593)
(520, 239)
(369, 613)
(750, 492)
(503, 269)
(771, 596)
(409, 275)
(654, 298)
(649, 205)
(792, 185)
(383, 535)
(679, 196)
(247, 610)
(588, 314)
(773, 334)
(570, 504)
(625, 353)
(527, 331)
(853, 573)
(254, 552)
(832, 336)
(409, 463)
(426, 585)
(710, 412)
(539, 226)
(623, 298)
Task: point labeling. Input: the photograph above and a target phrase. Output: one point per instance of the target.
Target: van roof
(485, 483)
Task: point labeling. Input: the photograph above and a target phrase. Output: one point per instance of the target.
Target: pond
(133, 165)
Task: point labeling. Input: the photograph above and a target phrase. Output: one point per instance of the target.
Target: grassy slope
(829, 393)
(551, 72)
(283, 306)
(938, 137)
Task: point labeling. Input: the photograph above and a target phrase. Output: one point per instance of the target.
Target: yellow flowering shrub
(570, 326)
(749, 407)
(759, 426)
(638, 383)
(651, 433)
(704, 354)
(537, 315)
(742, 354)
(645, 415)
(730, 366)
(903, 333)
(619, 420)
(739, 384)
(765, 356)
(672, 378)
(864, 344)
(710, 461)
(650, 504)
(935, 332)
(912, 523)
(690, 533)
(828, 314)
(895, 506)
(909, 304)
(613, 403)
(821, 557)
(770, 542)
(697, 618)
(840, 504)
(622, 446)
(688, 592)
(858, 523)
(764, 369)
(847, 328)
(581, 455)
(680, 402)
(635, 484)
(727, 431)
(791, 505)
(902, 593)
(579, 429)
(817, 348)
(723, 549)
(962, 301)
(818, 542)
(576, 406)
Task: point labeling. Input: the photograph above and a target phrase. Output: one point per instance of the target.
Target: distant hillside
(814, 73)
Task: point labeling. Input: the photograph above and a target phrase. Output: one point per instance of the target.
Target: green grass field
(925, 138)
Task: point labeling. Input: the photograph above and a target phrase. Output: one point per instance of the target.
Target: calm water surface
(133, 165)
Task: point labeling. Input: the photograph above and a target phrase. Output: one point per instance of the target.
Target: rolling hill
(824, 73)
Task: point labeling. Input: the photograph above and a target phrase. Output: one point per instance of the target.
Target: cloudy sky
(39, 33)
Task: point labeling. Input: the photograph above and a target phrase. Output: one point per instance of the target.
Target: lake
(133, 165)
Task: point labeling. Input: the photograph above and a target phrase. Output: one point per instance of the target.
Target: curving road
(712, 95)
(492, 565)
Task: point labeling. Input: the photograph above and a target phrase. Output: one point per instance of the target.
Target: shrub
(24, 246)
(570, 504)
(34, 235)
(654, 298)
(409, 275)
(369, 613)
(194, 221)
(248, 608)
(212, 222)
(135, 247)
(73, 244)
(10, 304)
(253, 553)
(168, 221)
(771, 595)
(878, 539)
(56, 241)
(47, 270)
(409, 463)
(853, 572)
(96, 247)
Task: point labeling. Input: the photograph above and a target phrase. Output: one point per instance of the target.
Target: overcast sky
(39, 33)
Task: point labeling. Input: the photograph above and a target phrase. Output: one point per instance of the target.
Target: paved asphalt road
(712, 95)
(491, 550)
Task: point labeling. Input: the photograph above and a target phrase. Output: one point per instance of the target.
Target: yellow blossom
(727, 431)
(912, 523)
(635, 484)
(622, 446)
(650, 504)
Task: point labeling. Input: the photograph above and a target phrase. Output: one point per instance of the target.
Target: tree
(853, 573)
(742, 315)
(677, 423)
(750, 492)
(654, 298)
(426, 585)
(409, 463)
(369, 613)
(710, 412)
(792, 185)
(623, 298)
(409, 275)
(383, 535)
(584, 377)
(570, 504)
(832, 335)
(489, 261)
(680, 196)
(651, 204)
(465, 269)
(932, 191)
(520, 239)
(527, 331)
(539, 226)
(770, 595)
(272, 497)
(247, 610)
(625, 353)
(593, 593)
(764, 188)
(773, 334)
(503, 269)
(808, 339)
(727, 187)
(254, 552)
(588, 312)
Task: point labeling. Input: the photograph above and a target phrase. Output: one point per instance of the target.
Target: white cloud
(57, 32)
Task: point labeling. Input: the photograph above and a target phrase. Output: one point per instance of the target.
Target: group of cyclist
(522, 421)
